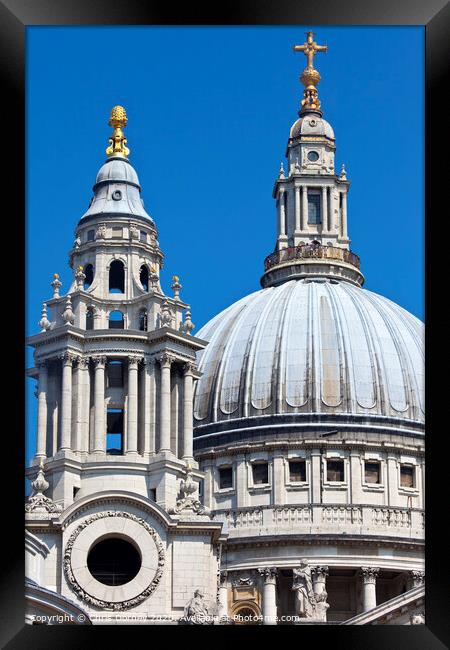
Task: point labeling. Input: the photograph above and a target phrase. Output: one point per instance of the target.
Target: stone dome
(312, 347)
(117, 191)
(311, 124)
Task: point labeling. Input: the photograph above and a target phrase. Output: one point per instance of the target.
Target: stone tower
(115, 364)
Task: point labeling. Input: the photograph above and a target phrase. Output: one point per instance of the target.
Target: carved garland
(103, 604)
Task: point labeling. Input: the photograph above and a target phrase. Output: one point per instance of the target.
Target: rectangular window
(152, 494)
(90, 235)
(117, 232)
(114, 431)
(114, 374)
(260, 473)
(297, 471)
(225, 477)
(407, 476)
(335, 470)
(372, 472)
(314, 208)
(143, 235)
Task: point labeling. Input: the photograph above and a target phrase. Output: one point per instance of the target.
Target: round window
(117, 195)
(313, 156)
(114, 561)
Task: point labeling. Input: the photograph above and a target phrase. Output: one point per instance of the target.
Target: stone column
(165, 361)
(344, 214)
(281, 214)
(324, 208)
(66, 401)
(319, 576)
(298, 225)
(418, 578)
(188, 413)
(78, 403)
(369, 578)
(304, 207)
(269, 601)
(99, 405)
(222, 595)
(149, 406)
(42, 410)
(84, 396)
(132, 405)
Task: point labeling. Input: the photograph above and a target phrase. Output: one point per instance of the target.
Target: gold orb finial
(56, 276)
(118, 120)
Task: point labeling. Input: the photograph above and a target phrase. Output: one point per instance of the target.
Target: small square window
(225, 478)
(372, 472)
(335, 470)
(407, 476)
(143, 235)
(117, 232)
(90, 235)
(297, 471)
(260, 473)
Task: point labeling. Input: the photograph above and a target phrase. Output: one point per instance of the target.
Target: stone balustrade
(324, 518)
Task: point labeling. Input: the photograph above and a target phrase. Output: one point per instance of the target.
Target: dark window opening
(335, 470)
(372, 472)
(260, 473)
(114, 561)
(75, 492)
(89, 273)
(152, 494)
(407, 476)
(314, 208)
(116, 320)
(114, 431)
(143, 235)
(143, 320)
(143, 277)
(297, 471)
(117, 277)
(114, 374)
(90, 235)
(90, 318)
(225, 477)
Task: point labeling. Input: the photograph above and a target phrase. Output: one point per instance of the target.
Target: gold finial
(80, 268)
(175, 278)
(310, 77)
(118, 119)
(56, 276)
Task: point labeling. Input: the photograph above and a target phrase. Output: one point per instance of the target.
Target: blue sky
(209, 112)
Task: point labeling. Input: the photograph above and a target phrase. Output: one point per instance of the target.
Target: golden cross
(310, 49)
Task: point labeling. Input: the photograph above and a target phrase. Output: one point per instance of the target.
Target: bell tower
(311, 199)
(115, 359)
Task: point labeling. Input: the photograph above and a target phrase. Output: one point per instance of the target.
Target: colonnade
(328, 222)
(76, 433)
(367, 574)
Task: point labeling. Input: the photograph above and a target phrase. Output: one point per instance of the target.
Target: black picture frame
(15, 16)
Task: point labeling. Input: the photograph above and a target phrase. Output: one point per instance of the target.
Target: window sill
(373, 487)
(335, 486)
(297, 486)
(265, 487)
(222, 491)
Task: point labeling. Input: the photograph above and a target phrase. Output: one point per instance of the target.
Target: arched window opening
(143, 320)
(143, 276)
(117, 277)
(116, 320)
(90, 318)
(89, 273)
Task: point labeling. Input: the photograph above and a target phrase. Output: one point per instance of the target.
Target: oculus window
(114, 561)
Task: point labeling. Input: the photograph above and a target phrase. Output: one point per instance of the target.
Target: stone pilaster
(298, 225)
(42, 410)
(99, 405)
(369, 580)
(222, 595)
(132, 405)
(304, 216)
(149, 406)
(269, 601)
(324, 208)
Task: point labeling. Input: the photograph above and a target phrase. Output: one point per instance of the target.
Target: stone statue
(305, 601)
(321, 606)
(196, 611)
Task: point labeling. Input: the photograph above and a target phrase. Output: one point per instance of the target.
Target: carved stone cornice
(369, 574)
(269, 574)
